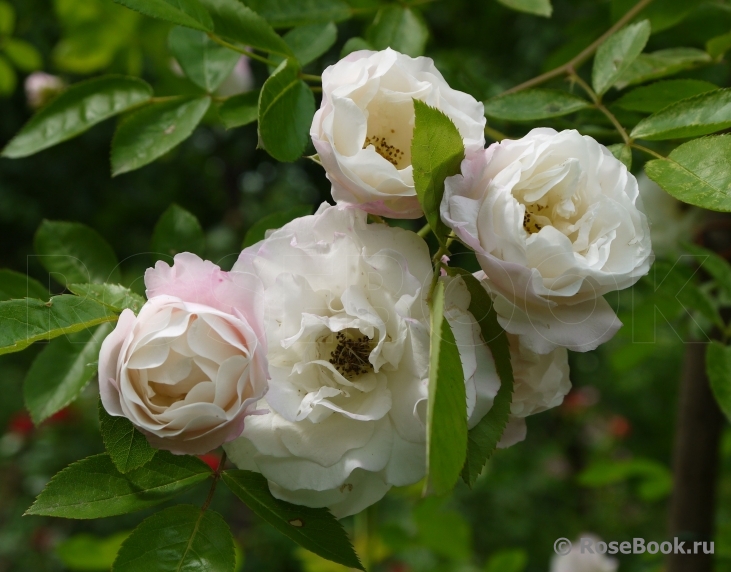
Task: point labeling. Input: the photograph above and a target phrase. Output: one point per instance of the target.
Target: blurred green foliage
(599, 463)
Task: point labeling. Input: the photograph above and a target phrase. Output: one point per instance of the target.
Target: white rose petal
(363, 129)
(348, 332)
(555, 223)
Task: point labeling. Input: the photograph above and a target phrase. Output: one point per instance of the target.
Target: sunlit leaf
(697, 173)
(152, 131)
(80, 107)
(113, 296)
(692, 117)
(534, 104)
(188, 13)
(23, 322)
(654, 97)
(203, 61)
(16, 286)
(615, 56)
(661, 64)
(94, 488)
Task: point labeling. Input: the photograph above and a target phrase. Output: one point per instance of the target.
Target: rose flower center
(350, 356)
(390, 128)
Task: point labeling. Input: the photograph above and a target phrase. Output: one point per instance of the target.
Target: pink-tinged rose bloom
(192, 365)
(555, 222)
(363, 129)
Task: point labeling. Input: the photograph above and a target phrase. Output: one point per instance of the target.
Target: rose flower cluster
(309, 360)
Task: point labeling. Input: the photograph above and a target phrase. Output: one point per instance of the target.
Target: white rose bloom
(363, 129)
(348, 331)
(576, 561)
(555, 223)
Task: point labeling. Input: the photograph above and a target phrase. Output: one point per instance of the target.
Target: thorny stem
(573, 76)
(216, 478)
(584, 55)
(438, 265)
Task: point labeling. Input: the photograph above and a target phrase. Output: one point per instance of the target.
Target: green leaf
(23, 54)
(399, 28)
(127, 447)
(80, 107)
(697, 173)
(615, 56)
(276, 220)
(73, 252)
(87, 553)
(179, 538)
(483, 438)
(534, 104)
(663, 14)
(16, 286)
(288, 13)
(8, 78)
(715, 265)
(446, 421)
(23, 322)
(507, 560)
(112, 296)
(7, 18)
(286, 107)
(237, 22)
(204, 62)
(94, 488)
(436, 153)
(698, 115)
(718, 368)
(719, 45)
(656, 480)
(535, 7)
(661, 64)
(309, 42)
(240, 110)
(354, 44)
(189, 13)
(313, 528)
(152, 131)
(623, 153)
(61, 371)
(654, 97)
(177, 231)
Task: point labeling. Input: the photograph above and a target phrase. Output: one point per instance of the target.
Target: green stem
(216, 478)
(247, 53)
(576, 78)
(585, 54)
(310, 77)
(424, 231)
(494, 134)
(646, 150)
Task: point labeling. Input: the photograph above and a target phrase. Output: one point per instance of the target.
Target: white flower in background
(555, 223)
(41, 87)
(575, 561)
(192, 365)
(240, 80)
(348, 330)
(363, 129)
(671, 222)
